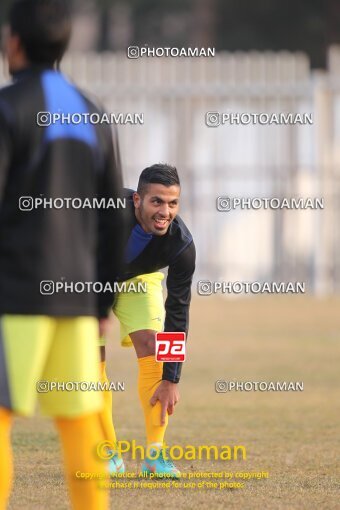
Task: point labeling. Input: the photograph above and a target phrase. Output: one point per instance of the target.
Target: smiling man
(158, 238)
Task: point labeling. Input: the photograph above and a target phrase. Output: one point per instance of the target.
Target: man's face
(157, 207)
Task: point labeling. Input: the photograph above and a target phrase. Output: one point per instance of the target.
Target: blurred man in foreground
(44, 335)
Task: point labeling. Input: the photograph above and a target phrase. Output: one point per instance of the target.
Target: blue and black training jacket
(56, 161)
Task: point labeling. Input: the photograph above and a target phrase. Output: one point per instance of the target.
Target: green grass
(293, 436)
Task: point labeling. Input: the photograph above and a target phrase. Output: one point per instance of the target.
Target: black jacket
(58, 161)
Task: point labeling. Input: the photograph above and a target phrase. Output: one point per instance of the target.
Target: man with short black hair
(42, 28)
(158, 238)
(53, 337)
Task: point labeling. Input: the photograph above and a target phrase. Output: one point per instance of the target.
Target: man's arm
(177, 319)
(177, 304)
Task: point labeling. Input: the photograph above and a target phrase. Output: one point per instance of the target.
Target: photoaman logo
(170, 346)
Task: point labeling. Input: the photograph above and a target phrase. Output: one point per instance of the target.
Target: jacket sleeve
(112, 222)
(177, 304)
(6, 146)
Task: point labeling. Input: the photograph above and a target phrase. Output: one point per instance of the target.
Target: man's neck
(139, 221)
(28, 67)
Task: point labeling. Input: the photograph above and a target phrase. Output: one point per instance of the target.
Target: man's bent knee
(144, 342)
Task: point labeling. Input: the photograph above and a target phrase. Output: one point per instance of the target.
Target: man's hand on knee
(168, 395)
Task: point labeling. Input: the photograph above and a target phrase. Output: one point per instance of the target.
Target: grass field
(294, 435)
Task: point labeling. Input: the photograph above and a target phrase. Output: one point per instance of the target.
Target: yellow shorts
(140, 310)
(38, 350)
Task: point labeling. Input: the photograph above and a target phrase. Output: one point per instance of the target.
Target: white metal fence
(251, 160)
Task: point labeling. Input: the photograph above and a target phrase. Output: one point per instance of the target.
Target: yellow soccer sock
(150, 376)
(80, 438)
(106, 413)
(6, 462)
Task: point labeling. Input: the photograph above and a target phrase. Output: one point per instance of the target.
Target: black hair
(160, 173)
(44, 28)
